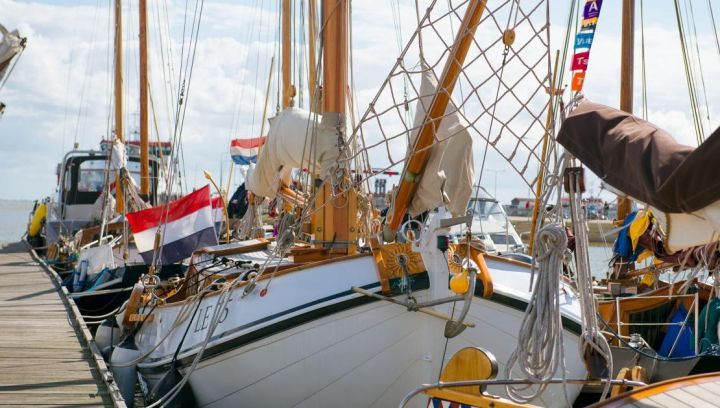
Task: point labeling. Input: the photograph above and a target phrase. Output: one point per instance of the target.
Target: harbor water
(14, 219)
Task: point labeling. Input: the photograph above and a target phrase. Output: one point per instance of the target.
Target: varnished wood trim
(656, 389)
(236, 250)
(508, 261)
(487, 400)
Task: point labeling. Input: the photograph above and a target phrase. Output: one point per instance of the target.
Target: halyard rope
(539, 351)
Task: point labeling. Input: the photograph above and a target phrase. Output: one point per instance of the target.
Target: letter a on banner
(583, 43)
(592, 9)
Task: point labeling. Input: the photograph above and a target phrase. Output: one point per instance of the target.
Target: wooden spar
(312, 60)
(335, 14)
(335, 221)
(626, 82)
(543, 155)
(420, 152)
(144, 148)
(288, 90)
(120, 205)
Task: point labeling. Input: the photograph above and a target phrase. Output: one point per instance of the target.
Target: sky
(59, 93)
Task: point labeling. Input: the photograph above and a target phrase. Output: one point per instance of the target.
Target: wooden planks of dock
(44, 358)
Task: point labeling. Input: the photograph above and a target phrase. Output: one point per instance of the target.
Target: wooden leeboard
(43, 360)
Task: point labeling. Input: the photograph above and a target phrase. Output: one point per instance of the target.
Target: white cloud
(229, 78)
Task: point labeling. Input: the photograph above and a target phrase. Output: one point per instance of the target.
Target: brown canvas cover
(642, 160)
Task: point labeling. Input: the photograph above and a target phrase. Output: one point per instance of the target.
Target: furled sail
(646, 163)
(297, 139)
(448, 176)
(11, 44)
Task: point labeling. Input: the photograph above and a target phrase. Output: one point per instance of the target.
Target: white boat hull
(340, 352)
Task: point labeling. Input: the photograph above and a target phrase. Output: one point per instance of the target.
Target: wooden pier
(45, 358)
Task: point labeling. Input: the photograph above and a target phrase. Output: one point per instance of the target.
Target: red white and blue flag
(245, 151)
(186, 224)
(218, 209)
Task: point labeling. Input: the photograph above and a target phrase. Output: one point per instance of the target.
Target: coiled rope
(594, 348)
(539, 351)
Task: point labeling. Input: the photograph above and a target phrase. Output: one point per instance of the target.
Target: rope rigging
(714, 26)
(539, 352)
(379, 133)
(692, 91)
(187, 63)
(643, 76)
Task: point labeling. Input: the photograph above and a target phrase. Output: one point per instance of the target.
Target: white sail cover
(10, 45)
(684, 231)
(119, 155)
(448, 176)
(98, 258)
(296, 139)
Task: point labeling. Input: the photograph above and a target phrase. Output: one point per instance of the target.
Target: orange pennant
(578, 81)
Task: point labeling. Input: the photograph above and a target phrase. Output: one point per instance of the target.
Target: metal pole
(120, 202)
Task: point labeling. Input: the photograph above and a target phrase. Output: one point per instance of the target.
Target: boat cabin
(81, 178)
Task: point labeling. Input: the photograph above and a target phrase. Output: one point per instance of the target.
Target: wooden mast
(626, 82)
(144, 148)
(288, 89)
(420, 152)
(312, 60)
(120, 205)
(335, 14)
(333, 223)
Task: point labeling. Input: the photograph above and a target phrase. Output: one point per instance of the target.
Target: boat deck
(698, 391)
(45, 359)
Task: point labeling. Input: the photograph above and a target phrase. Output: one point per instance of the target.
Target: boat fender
(38, 219)
(107, 336)
(106, 353)
(125, 377)
(79, 276)
(172, 377)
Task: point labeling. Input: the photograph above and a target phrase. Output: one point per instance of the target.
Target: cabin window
(91, 177)
(487, 210)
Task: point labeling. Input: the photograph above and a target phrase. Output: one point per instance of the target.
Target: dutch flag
(218, 209)
(188, 225)
(245, 151)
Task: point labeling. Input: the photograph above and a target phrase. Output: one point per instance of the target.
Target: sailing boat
(656, 329)
(320, 317)
(83, 224)
(667, 328)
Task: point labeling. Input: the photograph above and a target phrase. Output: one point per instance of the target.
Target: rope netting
(500, 96)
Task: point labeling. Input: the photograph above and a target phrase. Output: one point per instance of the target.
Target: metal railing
(693, 309)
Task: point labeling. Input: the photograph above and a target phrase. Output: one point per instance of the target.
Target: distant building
(378, 195)
(521, 207)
